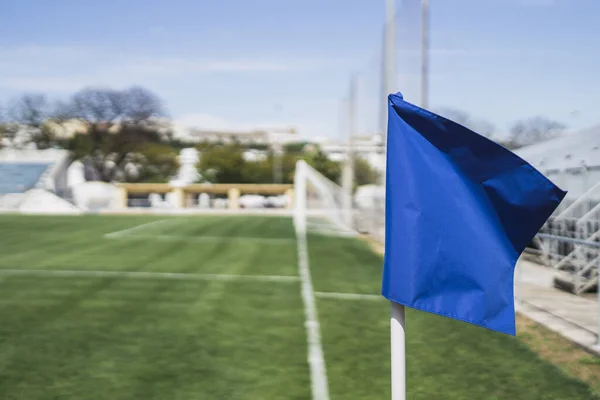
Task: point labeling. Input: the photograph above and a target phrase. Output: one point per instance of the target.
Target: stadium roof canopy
(568, 152)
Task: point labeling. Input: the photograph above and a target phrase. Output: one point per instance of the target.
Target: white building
(266, 137)
(371, 148)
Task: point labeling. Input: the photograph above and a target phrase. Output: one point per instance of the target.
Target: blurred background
(180, 140)
(263, 84)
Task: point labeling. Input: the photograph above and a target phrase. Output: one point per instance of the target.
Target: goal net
(320, 205)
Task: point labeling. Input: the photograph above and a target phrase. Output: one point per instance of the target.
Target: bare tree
(121, 140)
(141, 105)
(535, 129)
(119, 128)
(30, 109)
(25, 120)
(105, 108)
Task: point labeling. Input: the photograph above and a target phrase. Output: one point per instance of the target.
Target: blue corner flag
(460, 209)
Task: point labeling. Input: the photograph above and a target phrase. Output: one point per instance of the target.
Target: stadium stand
(34, 180)
(20, 177)
(569, 241)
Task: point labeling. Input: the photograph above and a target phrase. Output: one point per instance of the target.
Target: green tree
(364, 173)
(258, 171)
(319, 161)
(263, 171)
(116, 156)
(295, 147)
(222, 164)
(180, 144)
(206, 145)
(155, 162)
(226, 164)
(288, 167)
(257, 146)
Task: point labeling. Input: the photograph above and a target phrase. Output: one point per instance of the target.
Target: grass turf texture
(125, 338)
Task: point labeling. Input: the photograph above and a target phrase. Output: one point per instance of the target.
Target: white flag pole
(398, 339)
(397, 319)
(397, 322)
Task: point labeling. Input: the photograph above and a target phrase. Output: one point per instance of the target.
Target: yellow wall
(233, 191)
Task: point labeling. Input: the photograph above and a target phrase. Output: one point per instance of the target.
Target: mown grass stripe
(147, 275)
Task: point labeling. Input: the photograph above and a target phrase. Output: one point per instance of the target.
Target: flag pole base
(398, 347)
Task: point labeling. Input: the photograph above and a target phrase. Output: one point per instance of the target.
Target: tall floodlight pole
(424, 53)
(388, 73)
(388, 85)
(348, 171)
(277, 162)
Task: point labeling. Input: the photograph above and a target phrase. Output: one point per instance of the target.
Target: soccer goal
(321, 205)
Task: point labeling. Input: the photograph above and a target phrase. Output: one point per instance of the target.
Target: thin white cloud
(40, 84)
(182, 65)
(32, 51)
(68, 68)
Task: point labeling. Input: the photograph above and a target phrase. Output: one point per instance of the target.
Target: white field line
(146, 275)
(316, 360)
(349, 296)
(139, 227)
(176, 238)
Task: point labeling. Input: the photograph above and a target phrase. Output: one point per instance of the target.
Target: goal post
(320, 205)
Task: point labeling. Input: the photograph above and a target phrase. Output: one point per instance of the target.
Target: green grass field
(177, 308)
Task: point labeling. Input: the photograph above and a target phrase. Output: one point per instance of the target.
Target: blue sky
(244, 63)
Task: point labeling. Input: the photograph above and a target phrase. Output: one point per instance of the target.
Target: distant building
(266, 137)
(254, 155)
(369, 147)
(67, 129)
